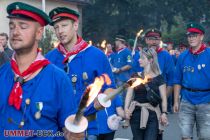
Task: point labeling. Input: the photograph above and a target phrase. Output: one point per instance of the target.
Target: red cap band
(31, 15)
(151, 34)
(195, 30)
(71, 16)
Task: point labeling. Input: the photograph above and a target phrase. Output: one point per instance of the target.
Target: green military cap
(60, 13)
(153, 32)
(26, 11)
(195, 28)
(131, 42)
(120, 37)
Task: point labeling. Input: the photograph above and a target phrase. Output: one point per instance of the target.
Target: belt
(196, 90)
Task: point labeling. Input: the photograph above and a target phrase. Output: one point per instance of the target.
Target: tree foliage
(104, 18)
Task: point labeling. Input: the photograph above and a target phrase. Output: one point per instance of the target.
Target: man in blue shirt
(121, 62)
(192, 81)
(35, 95)
(165, 60)
(82, 62)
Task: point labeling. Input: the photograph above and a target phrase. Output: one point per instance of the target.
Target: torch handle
(78, 117)
(134, 46)
(111, 95)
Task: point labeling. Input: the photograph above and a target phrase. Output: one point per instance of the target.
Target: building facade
(49, 4)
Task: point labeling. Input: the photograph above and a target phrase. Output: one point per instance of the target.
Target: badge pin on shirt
(192, 70)
(74, 78)
(199, 67)
(84, 76)
(39, 107)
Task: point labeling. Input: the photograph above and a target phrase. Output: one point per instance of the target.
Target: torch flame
(96, 87)
(103, 44)
(90, 42)
(161, 44)
(139, 33)
(137, 81)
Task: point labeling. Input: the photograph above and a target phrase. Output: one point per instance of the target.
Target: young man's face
(170, 47)
(24, 33)
(65, 30)
(3, 41)
(152, 41)
(195, 40)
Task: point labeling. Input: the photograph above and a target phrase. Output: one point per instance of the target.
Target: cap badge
(17, 7)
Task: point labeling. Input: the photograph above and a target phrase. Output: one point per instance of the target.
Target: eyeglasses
(153, 38)
(193, 36)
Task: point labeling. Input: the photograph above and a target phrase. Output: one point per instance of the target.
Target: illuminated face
(66, 30)
(24, 33)
(195, 40)
(143, 61)
(153, 41)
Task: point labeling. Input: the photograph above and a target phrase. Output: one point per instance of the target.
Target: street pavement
(172, 132)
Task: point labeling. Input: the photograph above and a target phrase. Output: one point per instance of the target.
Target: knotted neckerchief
(15, 97)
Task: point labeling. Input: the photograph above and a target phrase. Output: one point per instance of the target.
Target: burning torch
(78, 123)
(105, 100)
(135, 42)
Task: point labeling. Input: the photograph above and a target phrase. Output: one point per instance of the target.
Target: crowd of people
(39, 92)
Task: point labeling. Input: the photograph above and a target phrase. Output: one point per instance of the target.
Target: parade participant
(35, 95)
(136, 67)
(182, 47)
(170, 46)
(114, 112)
(192, 82)
(82, 62)
(5, 51)
(141, 108)
(121, 62)
(153, 39)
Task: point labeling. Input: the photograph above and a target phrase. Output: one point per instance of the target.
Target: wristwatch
(165, 113)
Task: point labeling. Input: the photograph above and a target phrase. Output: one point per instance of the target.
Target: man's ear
(202, 37)
(39, 33)
(76, 25)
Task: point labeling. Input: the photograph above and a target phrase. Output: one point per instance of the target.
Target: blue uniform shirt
(102, 116)
(119, 60)
(51, 88)
(136, 66)
(91, 61)
(167, 66)
(192, 71)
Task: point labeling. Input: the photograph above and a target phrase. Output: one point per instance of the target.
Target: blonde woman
(145, 116)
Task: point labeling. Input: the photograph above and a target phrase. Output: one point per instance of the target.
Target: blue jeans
(190, 115)
(151, 130)
(91, 137)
